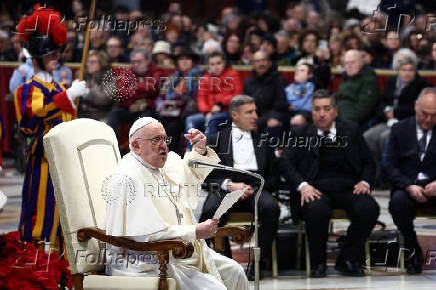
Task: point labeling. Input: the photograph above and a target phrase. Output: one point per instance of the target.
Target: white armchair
(82, 154)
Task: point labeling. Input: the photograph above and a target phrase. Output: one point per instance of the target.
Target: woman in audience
(308, 45)
(98, 75)
(431, 64)
(232, 48)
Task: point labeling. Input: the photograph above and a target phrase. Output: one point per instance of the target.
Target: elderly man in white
(157, 191)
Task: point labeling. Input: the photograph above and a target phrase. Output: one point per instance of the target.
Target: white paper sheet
(228, 201)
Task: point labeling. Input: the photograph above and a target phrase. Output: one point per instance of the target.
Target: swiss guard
(41, 104)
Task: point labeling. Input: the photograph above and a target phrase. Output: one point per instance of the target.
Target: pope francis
(152, 195)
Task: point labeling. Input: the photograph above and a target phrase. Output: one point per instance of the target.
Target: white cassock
(142, 206)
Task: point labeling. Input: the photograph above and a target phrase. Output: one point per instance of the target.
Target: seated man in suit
(410, 165)
(333, 168)
(240, 146)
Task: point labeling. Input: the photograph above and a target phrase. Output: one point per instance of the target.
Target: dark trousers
(363, 212)
(269, 213)
(403, 209)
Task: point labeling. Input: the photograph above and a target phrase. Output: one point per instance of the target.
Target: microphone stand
(256, 219)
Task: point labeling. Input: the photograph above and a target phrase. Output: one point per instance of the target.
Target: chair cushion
(82, 154)
(125, 282)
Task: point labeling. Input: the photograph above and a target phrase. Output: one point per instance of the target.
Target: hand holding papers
(228, 201)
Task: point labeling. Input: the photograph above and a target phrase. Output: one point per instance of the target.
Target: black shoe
(250, 274)
(318, 271)
(414, 264)
(349, 268)
(413, 269)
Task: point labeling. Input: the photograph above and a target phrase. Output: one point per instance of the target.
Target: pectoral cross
(179, 216)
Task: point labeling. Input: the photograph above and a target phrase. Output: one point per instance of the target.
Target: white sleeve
(185, 232)
(301, 185)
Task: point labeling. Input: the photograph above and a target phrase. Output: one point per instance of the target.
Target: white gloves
(391, 122)
(78, 88)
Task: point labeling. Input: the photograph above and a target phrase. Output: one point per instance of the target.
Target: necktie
(422, 143)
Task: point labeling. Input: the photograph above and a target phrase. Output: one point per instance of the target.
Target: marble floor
(381, 278)
(425, 281)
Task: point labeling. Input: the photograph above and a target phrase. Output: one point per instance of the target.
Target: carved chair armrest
(181, 249)
(240, 235)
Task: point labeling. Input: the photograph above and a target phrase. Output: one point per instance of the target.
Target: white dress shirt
(244, 156)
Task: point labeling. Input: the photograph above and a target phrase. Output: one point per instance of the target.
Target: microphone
(195, 163)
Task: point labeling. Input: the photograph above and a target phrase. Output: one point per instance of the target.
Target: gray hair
(324, 94)
(142, 50)
(238, 101)
(282, 33)
(3, 34)
(426, 91)
(401, 54)
(406, 60)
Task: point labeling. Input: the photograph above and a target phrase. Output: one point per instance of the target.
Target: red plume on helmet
(44, 22)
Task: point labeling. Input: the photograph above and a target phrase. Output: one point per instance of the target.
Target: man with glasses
(358, 93)
(162, 190)
(410, 161)
(115, 50)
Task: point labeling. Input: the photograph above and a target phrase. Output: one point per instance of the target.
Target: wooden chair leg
(219, 245)
(78, 281)
(163, 259)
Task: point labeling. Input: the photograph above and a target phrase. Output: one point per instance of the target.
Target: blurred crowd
(181, 71)
(313, 37)
(310, 30)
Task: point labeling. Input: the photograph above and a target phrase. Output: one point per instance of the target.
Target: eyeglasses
(158, 140)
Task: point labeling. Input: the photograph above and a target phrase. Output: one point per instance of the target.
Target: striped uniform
(39, 106)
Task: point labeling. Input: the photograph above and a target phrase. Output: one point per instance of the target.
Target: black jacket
(406, 101)
(222, 144)
(301, 163)
(401, 160)
(268, 91)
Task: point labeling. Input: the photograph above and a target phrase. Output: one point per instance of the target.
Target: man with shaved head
(410, 161)
(266, 86)
(153, 193)
(358, 93)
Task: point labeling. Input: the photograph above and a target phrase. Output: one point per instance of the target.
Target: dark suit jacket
(401, 159)
(301, 163)
(406, 99)
(222, 144)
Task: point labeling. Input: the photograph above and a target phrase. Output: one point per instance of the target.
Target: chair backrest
(82, 155)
